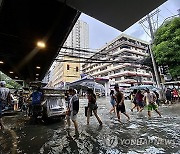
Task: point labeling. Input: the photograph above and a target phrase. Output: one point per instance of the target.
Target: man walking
(73, 108)
(150, 100)
(4, 99)
(120, 107)
(35, 106)
(168, 96)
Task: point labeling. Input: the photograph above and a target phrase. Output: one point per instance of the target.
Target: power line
(168, 10)
(62, 55)
(148, 19)
(116, 62)
(169, 18)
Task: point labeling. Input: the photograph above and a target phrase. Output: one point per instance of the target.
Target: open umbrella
(93, 85)
(88, 84)
(141, 87)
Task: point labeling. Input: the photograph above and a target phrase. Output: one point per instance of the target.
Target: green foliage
(9, 82)
(166, 46)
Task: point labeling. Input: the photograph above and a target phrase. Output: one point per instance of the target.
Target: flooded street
(140, 135)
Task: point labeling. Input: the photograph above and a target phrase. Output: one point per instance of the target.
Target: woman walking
(92, 106)
(139, 99)
(112, 101)
(120, 107)
(134, 100)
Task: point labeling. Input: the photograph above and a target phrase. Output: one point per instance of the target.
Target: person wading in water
(92, 106)
(120, 107)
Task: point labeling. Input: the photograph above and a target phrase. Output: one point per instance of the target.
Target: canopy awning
(120, 14)
(24, 22)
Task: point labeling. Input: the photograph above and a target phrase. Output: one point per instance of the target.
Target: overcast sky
(101, 33)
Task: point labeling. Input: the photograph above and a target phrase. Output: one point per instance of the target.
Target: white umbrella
(141, 87)
(88, 84)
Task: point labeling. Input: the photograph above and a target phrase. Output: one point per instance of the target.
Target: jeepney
(53, 103)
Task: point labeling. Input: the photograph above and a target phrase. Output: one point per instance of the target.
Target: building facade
(48, 77)
(118, 62)
(79, 36)
(65, 70)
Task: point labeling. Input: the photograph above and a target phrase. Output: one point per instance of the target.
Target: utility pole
(151, 53)
(178, 12)
(148, 19)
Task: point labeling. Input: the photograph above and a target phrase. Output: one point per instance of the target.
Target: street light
(38, 67)
(41, 44)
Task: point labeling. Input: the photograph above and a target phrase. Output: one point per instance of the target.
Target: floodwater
(140, 135)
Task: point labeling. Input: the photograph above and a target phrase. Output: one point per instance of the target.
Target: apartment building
(119, 62)
(48, 77)
(65, 70)
(79, 36)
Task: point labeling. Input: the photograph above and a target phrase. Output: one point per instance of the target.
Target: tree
(166, 46)
(9, 82)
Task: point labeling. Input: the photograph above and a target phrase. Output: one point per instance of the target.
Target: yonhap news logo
(113, 141)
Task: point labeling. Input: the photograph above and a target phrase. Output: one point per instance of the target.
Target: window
(77, 69)
(67, 67)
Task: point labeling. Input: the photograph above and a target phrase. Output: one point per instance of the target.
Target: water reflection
(112, 137)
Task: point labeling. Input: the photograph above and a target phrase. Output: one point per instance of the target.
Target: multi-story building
(64, 70)
(48, 77)
(79, 36)
(118, 62)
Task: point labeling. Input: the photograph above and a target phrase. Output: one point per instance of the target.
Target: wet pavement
(140, 135)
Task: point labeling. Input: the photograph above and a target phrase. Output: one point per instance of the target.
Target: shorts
(92, 106)
(121, 108)
(112, 102)
(141, 104)
(151, 107)
(134, 101)
(86, 110)
(72, 116)
(168, 98)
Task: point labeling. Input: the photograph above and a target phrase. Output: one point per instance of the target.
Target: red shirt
(139, 97)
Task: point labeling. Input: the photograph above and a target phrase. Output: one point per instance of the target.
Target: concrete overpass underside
(24, 22)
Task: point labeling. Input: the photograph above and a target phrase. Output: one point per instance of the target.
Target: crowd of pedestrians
(145, 99)
(141, 99)
(18, 101)
(172, 96)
